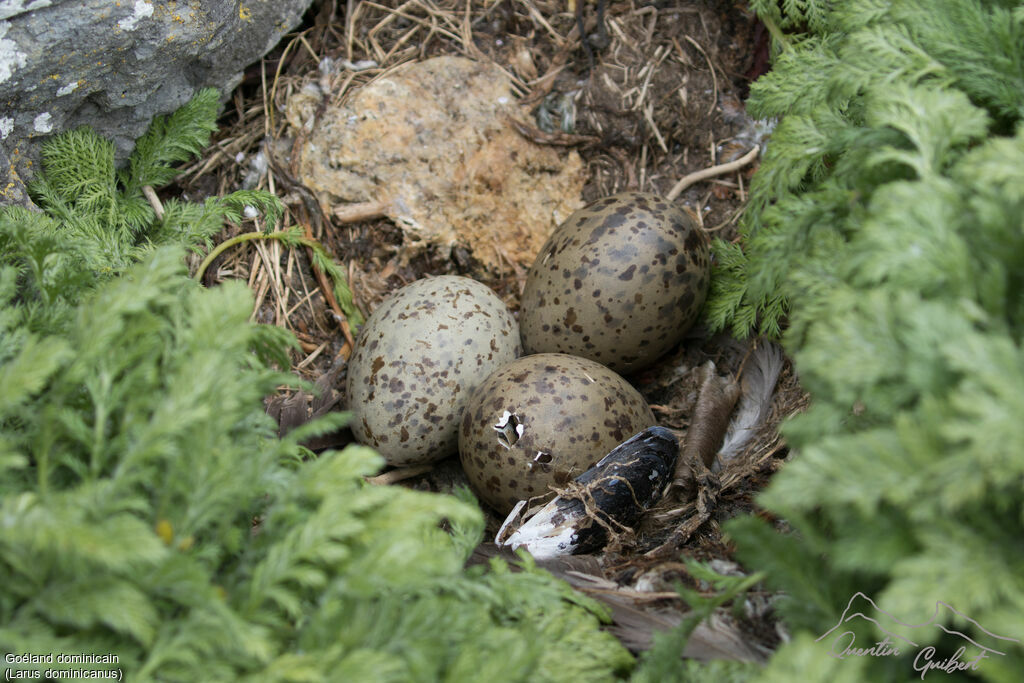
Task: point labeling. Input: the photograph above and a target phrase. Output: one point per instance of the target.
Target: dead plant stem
(721, 169)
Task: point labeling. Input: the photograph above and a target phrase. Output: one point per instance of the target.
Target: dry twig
(721, 169)
(154, 201)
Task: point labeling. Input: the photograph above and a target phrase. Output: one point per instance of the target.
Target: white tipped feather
(758, 385)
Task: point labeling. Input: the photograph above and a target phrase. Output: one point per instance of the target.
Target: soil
(653, 93)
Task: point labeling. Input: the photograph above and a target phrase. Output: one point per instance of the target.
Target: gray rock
(115, 65)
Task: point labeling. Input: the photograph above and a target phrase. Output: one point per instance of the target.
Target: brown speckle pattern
(573, 411)
(416, 361)
(630, 271)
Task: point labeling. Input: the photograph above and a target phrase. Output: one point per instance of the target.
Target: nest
(645, 97)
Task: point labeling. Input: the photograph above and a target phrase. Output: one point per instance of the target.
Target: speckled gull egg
(417, 359)
(541, 421)
(619, 282)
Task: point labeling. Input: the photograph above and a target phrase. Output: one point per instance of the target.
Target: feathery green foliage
(96, 222)
(104, 208)
(170, 140)
(887, 223)
(149, 512)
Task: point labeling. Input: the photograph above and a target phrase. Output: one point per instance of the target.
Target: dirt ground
(653, 93)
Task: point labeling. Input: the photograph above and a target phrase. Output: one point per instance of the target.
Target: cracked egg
(541, 421)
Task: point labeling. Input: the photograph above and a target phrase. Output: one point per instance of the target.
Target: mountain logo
(901, 638)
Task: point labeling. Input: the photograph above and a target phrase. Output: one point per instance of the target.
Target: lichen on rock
(113, 66)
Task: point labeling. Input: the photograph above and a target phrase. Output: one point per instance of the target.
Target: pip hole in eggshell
(542, 420)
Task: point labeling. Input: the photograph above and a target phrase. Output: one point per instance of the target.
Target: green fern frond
(266, 205)
(79, 167)
(798, 82)
(342, 293)
(892, 241)
(886, 53)
(788, 14)
(986, 59)
(29, 370)
(872, 99)
(728, 285)
(87, 602)
(171, 140)
(935, 122)
(189, 224)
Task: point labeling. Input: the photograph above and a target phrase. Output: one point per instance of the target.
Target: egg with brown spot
(619, 282)
(541, 421)
(416, 361)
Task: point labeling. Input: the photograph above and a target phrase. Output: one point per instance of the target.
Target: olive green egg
(619, 282)
(416, 361)
(541, 421)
